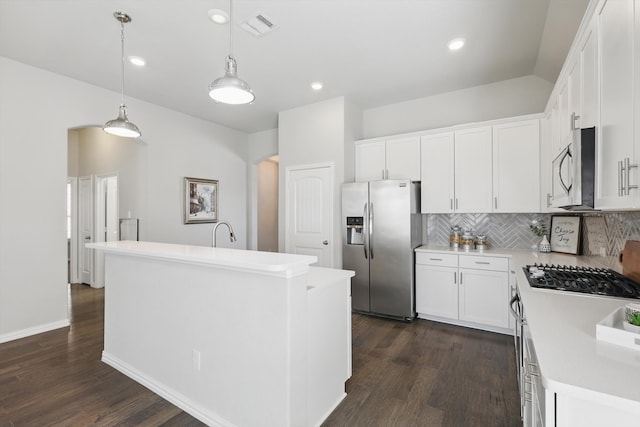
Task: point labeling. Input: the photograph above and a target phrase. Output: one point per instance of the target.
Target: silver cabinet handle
(456, 203)
(495, 203)
(483, 262)
(627, 169)
(461, 278)
(451, 203)
(455, 278)
(548, 200)
(620, 179)
(574, 118)
(435, 259)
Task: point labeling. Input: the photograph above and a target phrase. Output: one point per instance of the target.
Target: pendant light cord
(122, 57)
(231, 28)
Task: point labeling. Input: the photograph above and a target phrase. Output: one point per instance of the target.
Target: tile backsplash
(603, 233)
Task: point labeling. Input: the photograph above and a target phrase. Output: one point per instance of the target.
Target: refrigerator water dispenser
(354, 230)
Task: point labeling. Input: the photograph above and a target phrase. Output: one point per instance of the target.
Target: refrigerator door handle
(371, 230)
(366, 231)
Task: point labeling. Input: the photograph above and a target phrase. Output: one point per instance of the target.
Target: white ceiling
(374, 52)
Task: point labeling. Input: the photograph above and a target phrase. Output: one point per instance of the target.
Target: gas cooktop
(597, 281)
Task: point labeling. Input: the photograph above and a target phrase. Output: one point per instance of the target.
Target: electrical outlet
(603, 251)
(196, 358)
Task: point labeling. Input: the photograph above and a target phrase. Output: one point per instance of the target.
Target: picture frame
(200, 200)
(565, 233)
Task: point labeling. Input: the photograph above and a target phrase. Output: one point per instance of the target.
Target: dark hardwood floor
(417, 374)
(428, 374)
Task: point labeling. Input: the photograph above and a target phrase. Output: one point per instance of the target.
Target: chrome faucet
(232, 237)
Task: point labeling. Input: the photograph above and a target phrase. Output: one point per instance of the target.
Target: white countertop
(266, 262)
(563, 329)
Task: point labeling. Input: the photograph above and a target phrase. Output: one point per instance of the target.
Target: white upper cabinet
(516, 167)
(615, 145)
(370, 161)
(456, 171)
(403, 158)
(437, 171)
(395, 158)
(589, 82)
(484, 169)
(473, 170)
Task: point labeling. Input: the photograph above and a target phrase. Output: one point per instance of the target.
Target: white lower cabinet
(468, 290)
(483, 297)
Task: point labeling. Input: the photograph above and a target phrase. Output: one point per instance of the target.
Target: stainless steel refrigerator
(381, 226)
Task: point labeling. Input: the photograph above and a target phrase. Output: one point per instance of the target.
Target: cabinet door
(516, 167)
(437, 171)
(564, 128)
(473, 170)
(614, 141)
(403, 158)
(574, 83)
(484, 297)
(437, 291)
(589, 66)
(370, 161)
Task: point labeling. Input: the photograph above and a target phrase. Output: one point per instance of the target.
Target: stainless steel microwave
(573, 172)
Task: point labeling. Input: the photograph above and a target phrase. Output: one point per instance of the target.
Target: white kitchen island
(233, 337)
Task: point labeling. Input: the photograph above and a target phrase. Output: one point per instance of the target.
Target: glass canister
(466, 240)
(454, 237)
(481, 242)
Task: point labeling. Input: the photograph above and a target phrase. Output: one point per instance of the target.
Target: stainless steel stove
(597, 281)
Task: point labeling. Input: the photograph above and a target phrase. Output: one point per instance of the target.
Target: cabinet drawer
(444, 260)
(484, 263)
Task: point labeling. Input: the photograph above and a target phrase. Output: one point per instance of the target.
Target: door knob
(87, 238)
(326, 242)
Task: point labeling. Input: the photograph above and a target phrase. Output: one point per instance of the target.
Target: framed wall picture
(564, 235)
(200, 200)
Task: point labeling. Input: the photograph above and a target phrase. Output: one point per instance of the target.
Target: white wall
(36, 110)
(310, 135)
(508, 98)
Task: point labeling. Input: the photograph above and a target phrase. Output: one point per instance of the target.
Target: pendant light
(229, 89)
(121, 126)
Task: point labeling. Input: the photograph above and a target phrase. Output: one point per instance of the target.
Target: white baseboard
(23, 333)
(167, 393)
(335, 405)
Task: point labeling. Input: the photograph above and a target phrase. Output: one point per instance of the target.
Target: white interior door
(309, 213)
(85, 228)
(106, 221)
(72, 229)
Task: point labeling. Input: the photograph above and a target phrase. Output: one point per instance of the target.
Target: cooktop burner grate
(588, 280)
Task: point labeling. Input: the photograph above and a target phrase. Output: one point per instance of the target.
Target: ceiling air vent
(258, 25)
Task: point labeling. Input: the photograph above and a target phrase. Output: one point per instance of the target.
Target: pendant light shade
(121, 126)
(229, 89)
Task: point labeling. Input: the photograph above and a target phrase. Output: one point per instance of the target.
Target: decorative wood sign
(565, 234)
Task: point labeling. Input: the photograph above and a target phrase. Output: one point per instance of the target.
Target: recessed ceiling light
(218, 16)
(456, 44)
(316, 85)
(137, 61)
